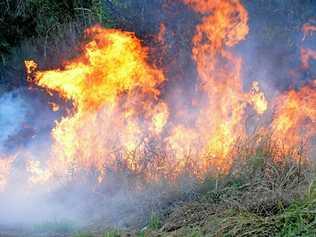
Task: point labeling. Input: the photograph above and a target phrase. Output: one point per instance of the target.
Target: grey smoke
(13, 113)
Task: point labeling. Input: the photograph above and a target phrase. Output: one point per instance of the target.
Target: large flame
(119, 117)
(221, 122)
(5, 170)
(114, 92)
(295, 119)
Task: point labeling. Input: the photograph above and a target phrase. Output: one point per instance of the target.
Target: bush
(21, 20)
(154, 222)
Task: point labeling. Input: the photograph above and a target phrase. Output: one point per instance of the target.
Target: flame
(257, 99)
(306, 56)
(113, 89)
(295, 118)
(54, 107)
(117, 103)
(119, 111)
(96, 78)
(308, 30)
(294, 122)
(5, 170)
(38, 174)
(222, 122)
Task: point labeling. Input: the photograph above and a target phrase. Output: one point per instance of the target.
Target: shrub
(154, 222)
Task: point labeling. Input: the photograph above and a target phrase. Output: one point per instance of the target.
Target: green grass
(154, 222)
(112, 233)
(83, 234)
(260, 196)
(299, 219)
(195, 233)
(61, 227)
(140, 234)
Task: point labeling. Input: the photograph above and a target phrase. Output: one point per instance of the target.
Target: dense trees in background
(23, 19)
(39, 28)
(38, 18)
(49, 30)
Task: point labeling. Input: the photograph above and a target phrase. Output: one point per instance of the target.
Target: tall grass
(268, 192)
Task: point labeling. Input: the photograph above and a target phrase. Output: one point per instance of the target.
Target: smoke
(26, 121)
(25, 124)
(271, 51)
(13, 114)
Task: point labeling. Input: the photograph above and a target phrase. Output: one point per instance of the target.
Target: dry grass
(266, 193)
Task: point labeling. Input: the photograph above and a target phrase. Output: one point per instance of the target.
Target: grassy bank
(260, 196)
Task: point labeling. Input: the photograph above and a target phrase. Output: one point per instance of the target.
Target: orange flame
(294, 122)
(117, 103)
(308, 29)
(306, 56)
(112, 88)
(115, 94)
(5, 170)
(223, 26)
(295, 119)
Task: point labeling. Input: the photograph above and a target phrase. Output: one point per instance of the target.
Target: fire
(97, 78)
(117, 104)
(257, 99)
(54, 107)
(5, 170)
(294, 122)
(119, 111)
(308, 29)
(295, 119)
(113, 89)
(38, 174)
(306, 56)
(222, 122)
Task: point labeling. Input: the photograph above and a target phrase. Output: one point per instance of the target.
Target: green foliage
(141, 234)
(112, 233)
(45, 19)
(196, 232)
(299, 219)
(296, 220)
(83, 234)
(311, 192)
(60, 227)
(154, 222)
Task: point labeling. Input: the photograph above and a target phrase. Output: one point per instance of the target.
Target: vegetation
(58, 227)
(83, 235)
(260, 196)
(154, 222)
(112, 233)
(43, 18)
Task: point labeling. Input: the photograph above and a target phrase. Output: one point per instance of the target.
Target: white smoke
(13, 113)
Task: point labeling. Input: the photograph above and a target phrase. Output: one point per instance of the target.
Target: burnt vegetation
(266, 192)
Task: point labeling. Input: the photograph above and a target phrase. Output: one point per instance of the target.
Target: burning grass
(265, 193)
(125, 145)
(260, 196)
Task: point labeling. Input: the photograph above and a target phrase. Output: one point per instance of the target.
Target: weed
(141, 234)
(112, 233)
(83, 235)
(154, 222)
(61, 227)
(196, 232)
